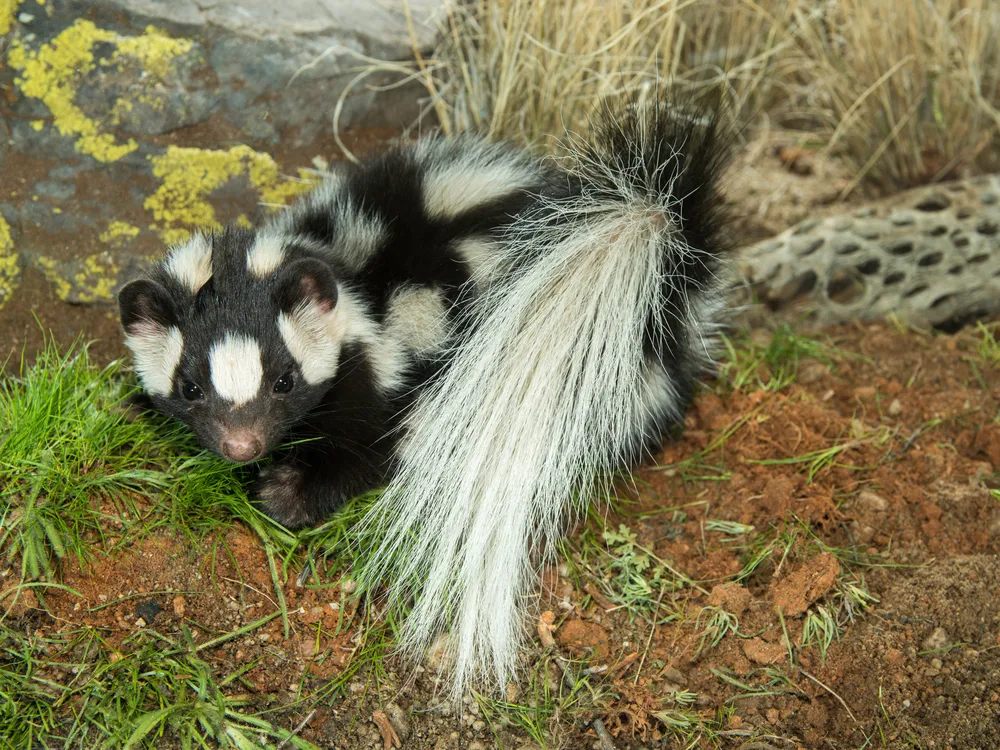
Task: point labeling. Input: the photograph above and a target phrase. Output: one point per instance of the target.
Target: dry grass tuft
(906, 91)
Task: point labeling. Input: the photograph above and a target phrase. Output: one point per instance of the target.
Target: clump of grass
(771, 366)
(718, 623)
(632, 576)
(545, 700)
(820, 629)
(529, 71)
(637, 577)
(67, 449)
(825, 622)
(989, 347)
(906, 91)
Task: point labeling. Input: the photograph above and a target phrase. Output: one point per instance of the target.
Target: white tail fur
(558, 383)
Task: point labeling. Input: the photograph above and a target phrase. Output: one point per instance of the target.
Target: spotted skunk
(490, 333)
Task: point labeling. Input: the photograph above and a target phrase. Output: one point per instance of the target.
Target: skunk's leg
(314, 479)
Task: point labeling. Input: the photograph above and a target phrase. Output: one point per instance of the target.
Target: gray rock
(4, 138)
(54, 190)
(317, 23)
(47, 141)
(39, 214)
(64, 172)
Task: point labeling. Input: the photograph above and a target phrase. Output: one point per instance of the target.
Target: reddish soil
(906, 507)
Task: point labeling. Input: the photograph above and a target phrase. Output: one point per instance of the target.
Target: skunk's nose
(241, 446)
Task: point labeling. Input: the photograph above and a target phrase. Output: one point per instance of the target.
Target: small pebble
(937, 640)
(872, 501)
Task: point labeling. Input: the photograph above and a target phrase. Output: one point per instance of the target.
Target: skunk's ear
(304, 281)
(143, 304)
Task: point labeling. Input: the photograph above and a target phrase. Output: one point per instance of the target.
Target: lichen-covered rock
(172, 115)
(931, 255)
(101, 70)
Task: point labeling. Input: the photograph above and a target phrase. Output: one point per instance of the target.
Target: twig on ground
(607, 743)
(390, 739)
(299, 728)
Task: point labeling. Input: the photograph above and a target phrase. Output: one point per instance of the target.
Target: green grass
(155, 687)
(989, 347)
(751, 365)
(546, 699)
(76, 469)
(70, 457)
(717, 624)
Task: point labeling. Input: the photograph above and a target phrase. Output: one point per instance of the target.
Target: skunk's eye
(284, 384)
(191, 391)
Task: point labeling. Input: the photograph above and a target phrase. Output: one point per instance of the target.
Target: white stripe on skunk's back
(191, 263)
(266, 254)
(466, 173)
(356, 235)
(417, 318)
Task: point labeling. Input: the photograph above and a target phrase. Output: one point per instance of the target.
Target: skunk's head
(234, 337)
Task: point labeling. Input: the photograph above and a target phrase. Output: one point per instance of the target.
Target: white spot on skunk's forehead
(191, 263)
(235, 368)
(156, 352)
(266, 255)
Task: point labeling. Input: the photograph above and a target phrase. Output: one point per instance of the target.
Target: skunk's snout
(242, 445)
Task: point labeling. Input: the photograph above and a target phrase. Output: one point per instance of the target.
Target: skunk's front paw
(281, 493)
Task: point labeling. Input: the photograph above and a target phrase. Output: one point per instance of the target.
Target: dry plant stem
(297, 729)
(840, 700)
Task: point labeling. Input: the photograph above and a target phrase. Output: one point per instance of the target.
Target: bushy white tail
(579, 355)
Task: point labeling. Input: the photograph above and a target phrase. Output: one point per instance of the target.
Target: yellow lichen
(190, 175)
(52, 74)
(8, 9)
(38, 124)
(96, 279)
(50, 270)
(154, 50)
(119, 233)
(10, 269)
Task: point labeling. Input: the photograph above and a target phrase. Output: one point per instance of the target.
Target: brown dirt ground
(907, 506)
